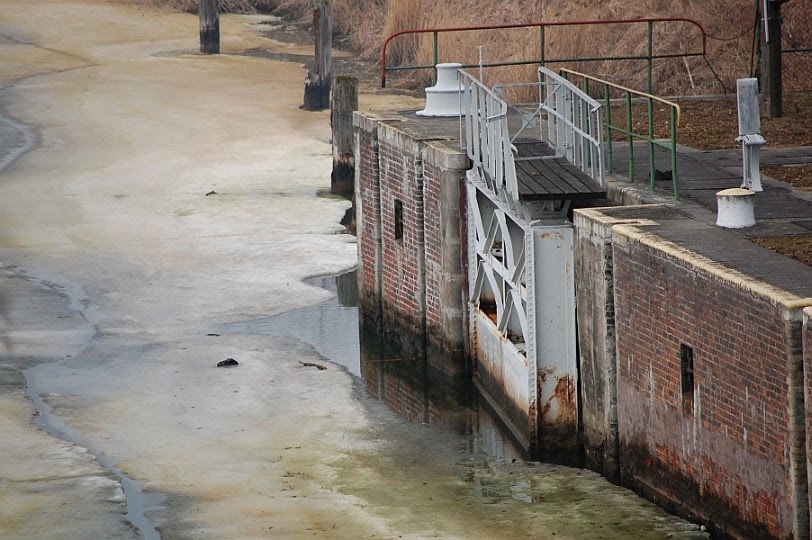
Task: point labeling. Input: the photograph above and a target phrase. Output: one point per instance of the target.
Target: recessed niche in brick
(686, 360)
(398, 219)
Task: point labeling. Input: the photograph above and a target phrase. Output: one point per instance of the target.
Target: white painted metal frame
(574, 129)
(574, 124)
(486, 138)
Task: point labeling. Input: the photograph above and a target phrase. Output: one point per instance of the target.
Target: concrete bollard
(735, 208)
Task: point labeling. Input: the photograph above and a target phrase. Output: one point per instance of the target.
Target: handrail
(574, 124)
(486, 138)
(675, 114)
(650, 56)
(573, 120)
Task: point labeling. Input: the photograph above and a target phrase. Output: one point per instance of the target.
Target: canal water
(437, 452)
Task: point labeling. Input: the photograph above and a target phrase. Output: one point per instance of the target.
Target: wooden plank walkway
(542, 176)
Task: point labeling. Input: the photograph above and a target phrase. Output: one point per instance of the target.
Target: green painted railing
(650, 56)
(626, 97)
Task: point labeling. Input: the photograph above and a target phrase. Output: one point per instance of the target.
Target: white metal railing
(486, 138)
(574, 128)
(574, 124)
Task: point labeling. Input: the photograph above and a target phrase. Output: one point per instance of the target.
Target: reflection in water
(441, 464)
(330, 327)
(420, 392)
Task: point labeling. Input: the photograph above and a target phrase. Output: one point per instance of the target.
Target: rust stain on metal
(563, 396)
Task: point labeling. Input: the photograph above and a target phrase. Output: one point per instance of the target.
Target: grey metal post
(771, 85)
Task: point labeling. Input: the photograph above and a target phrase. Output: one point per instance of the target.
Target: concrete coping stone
(792, 304)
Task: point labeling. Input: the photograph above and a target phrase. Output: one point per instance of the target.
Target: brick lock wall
(723, 451)
(402, 292)
(367, 212)
(594, 281)
(415, 283)
(434, 241)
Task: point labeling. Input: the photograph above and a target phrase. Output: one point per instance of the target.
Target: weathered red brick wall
(444, 231)
(367, 194)
(432, 176)
(402, 292)
(411, 287)
(723, 450)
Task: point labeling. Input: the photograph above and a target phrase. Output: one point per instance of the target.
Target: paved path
(703, 173)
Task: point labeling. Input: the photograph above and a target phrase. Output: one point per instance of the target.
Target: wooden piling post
(209, 11)
(317, 83)
(344, 102)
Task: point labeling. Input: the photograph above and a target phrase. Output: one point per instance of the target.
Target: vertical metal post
(629, 137)
(608, 102)
(541, 43)
(674, 180)
(771, 69)
(651, 168)
(650, 54)
(436, 56)
(587, 127)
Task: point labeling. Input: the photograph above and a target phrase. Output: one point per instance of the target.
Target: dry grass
(226, 6)
(362, 25)
(800, 176)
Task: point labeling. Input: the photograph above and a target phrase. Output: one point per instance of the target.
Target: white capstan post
(443, 99)
(749, 132)
(735, 208)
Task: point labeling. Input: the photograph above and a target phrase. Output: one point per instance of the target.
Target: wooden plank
(579, 180)
(551, 179)
(549, 184)
(530, 180)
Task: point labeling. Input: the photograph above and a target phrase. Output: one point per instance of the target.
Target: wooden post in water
(209, 11)
(317, 83)
(344, 102)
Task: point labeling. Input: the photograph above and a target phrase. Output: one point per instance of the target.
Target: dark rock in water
(228, 362)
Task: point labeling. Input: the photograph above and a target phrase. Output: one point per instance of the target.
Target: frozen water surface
(442, 464)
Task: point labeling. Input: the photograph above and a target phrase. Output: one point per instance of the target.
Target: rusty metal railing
(650, 56)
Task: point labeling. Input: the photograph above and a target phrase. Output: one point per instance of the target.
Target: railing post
(541, 43)
(436, 56)
(650, 55)
(585, 112)
(674, 178)
(629, 137)
(651, 168)
(608, 123)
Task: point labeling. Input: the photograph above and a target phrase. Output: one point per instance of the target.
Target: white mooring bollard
(735, 208)
(443, 99)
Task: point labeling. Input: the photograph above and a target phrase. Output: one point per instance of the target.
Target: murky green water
(439, 465)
